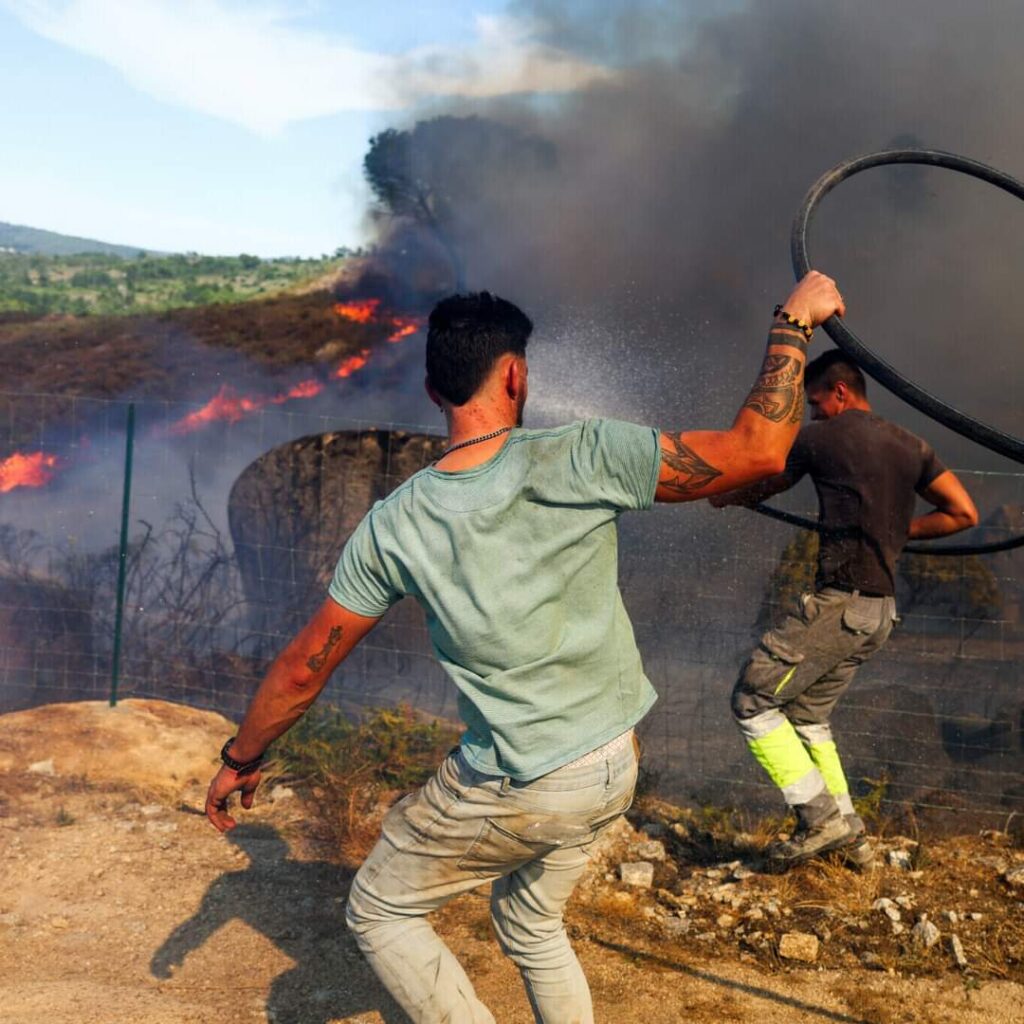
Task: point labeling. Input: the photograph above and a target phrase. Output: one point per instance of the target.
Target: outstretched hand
(814, 299)
(224, 783)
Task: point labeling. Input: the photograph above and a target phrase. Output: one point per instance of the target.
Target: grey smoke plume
(652, 254)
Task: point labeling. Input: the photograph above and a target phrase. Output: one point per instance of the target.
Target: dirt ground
(119, 904)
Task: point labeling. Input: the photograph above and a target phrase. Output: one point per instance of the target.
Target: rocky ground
(119, 903)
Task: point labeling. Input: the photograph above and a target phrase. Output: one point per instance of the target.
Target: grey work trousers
(788, 688)
(531, 840)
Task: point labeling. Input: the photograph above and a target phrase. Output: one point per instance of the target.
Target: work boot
(808, 842)
(856, 823)
(858, 852)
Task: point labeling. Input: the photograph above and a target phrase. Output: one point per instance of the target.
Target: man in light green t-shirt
(509, 544)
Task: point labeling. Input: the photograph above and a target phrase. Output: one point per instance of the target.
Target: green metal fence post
(122, 561)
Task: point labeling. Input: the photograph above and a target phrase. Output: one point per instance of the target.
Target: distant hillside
(99, 283)
(18, 238)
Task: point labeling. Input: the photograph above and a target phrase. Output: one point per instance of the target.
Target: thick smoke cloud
(653, 253)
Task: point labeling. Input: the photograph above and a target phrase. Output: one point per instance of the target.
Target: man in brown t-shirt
(867, 473)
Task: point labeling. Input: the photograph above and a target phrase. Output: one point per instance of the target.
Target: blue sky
(224, 126)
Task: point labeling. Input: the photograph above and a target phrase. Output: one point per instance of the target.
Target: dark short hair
(466, 336)
(830, 368)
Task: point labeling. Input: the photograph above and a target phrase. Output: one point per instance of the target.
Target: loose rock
(676, 927)
(799, 946)
(43, 767)
(637, 873)
(956, 947)
(1014, 878)
(899, 859)
(651, 850)
(924, 933)
(887, 907)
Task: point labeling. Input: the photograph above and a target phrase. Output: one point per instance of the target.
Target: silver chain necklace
(473, 440)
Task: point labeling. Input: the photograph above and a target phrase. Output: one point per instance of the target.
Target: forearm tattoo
(317, 661)
(692, 472)
(781, 335)
(778, 393)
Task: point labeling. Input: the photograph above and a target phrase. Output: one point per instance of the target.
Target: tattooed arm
(298, 674)
(291, 685)
(698, 464)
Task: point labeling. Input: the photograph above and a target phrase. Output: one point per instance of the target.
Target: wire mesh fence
(237, 515)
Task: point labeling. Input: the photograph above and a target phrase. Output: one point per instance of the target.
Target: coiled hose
(888, 376)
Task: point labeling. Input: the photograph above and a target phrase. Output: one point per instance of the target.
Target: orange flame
(305, 389)
(228, 406)
(35, 469)
(364, 311)
(404, 326)
(352, 364)
(360, 311)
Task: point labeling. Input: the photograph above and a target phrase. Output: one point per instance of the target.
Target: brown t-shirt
(867, 472)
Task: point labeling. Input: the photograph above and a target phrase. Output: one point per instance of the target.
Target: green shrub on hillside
(108, 285)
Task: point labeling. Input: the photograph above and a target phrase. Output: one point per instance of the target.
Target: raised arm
(291, 685)
(699, 463)
(954, 510)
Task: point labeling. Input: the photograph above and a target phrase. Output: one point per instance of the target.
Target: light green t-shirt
(515, 563)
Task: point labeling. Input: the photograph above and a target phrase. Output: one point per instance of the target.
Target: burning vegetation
(229, 406)
(291, 330)
(27, 469)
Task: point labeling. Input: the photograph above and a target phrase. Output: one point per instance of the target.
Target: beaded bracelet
(794, 321)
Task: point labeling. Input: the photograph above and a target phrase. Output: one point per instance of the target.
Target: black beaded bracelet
(794, 321)
(239, 767)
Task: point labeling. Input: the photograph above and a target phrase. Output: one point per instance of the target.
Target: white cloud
(250, 64)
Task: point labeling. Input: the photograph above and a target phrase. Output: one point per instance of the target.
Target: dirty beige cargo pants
(531, 840)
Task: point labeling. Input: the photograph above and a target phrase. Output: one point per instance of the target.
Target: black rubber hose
(914, 549)
(886, 375)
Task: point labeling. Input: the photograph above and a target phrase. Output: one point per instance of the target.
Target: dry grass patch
(356, 770)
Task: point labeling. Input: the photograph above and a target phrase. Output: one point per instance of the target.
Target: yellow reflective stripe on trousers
(785, 679)
(826, 757)
(782, 755)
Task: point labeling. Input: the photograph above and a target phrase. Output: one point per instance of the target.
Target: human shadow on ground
(299, 906)
(738, 986)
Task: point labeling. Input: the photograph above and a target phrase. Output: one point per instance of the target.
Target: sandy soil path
(119, 903)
